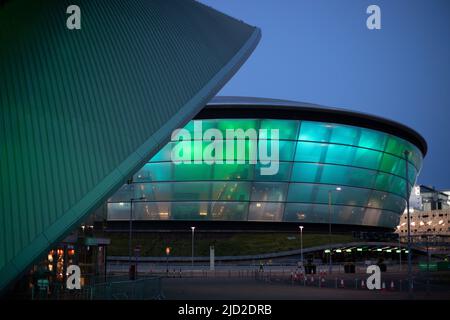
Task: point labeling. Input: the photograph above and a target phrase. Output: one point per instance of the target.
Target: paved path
(250, 289)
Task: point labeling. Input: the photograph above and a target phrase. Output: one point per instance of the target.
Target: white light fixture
(338, 189)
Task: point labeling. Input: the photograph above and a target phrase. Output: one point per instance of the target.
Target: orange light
(167, 251)
(71, 252)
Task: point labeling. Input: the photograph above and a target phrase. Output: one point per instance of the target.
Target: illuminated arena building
(335, 166)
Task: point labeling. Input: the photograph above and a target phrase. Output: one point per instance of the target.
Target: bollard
(392, 285)
(335, 283)
(356, 283)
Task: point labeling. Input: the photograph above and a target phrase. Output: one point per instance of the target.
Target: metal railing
(148, 288)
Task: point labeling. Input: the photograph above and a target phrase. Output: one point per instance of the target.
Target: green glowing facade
(315, 156)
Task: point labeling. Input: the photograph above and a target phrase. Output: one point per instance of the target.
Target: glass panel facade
(263, 191)
(283, 174)
(265, 211)
(314, 158)
(287, 129)
(317, 193)
(285, 150)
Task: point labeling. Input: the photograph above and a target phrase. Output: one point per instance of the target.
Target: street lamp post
(301, 243)
(407, 153)
(192, 261)
(167, 259)
(329, 226)
(400, 252)
(130, 235)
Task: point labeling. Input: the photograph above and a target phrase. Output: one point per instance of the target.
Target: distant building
(430, 212)
(433, 199)
(433, 222)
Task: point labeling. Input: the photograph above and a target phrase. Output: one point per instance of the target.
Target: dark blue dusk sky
(320, 51)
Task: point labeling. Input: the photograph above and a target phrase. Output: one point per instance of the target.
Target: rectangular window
(314, 131)
(287, 129)
(265, 211)
(268, 191)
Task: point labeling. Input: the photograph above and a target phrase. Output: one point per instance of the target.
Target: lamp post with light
(301, 243)
(400, 251)
(130, 236)
(329, 225)
(167, 259)
(192, 261)
(407, 153)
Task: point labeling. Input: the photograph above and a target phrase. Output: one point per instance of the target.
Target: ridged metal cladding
(82, 110)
